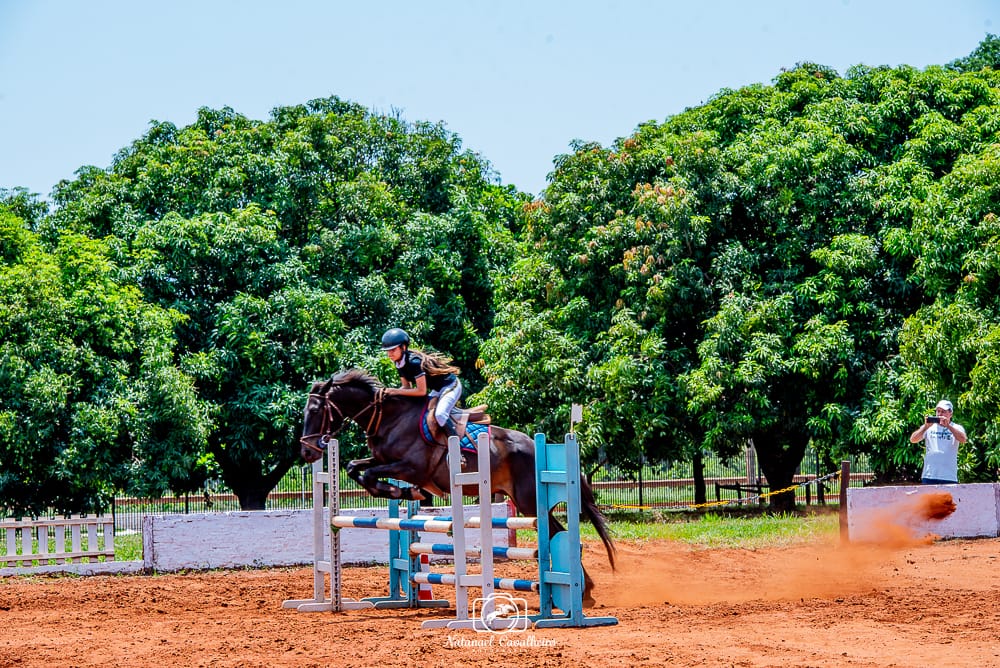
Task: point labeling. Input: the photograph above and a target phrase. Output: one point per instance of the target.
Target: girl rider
(423, 374)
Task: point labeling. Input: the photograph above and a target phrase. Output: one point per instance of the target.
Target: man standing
(942, 438)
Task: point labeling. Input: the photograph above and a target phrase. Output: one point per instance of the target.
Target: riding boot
(449, 427)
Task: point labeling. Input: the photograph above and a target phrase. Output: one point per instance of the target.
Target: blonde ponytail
(436, 364)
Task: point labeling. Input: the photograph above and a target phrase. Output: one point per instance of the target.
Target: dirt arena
(904, 603)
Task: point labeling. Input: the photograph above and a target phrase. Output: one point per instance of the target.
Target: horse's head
(318, 422)
(330, 404)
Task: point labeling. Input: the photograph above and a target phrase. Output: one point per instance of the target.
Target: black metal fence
(662, 485)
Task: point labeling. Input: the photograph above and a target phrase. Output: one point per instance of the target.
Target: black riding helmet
(395, 337)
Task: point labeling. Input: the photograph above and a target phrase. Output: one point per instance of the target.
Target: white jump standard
(326, 483)
(560, 570)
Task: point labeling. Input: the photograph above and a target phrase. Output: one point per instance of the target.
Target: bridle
(324, 434)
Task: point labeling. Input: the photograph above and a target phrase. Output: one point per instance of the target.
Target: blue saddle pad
(468, 442)
(472, 432)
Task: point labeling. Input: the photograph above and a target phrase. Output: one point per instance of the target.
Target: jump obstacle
(560, 570)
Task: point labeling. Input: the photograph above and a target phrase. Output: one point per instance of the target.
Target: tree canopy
(92, 401)
(806, 262)
(284, 248)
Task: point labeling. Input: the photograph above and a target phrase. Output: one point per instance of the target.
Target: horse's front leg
(373, 479)
(356, 467)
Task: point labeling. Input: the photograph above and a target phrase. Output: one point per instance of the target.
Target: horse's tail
(596, 517)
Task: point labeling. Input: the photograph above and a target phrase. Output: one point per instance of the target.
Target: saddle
(469, 423)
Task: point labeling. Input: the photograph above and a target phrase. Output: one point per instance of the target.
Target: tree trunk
(778, 463)
(252, 498)
(251, 485)
(698, 468)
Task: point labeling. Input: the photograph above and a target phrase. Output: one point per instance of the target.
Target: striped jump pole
(429, 523)
(509, 584)
(326, 557)
(499, 552)
(515, 523)
(390, 523)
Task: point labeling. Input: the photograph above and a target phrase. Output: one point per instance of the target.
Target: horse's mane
(356, 376)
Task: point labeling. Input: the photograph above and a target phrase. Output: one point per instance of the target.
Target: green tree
(986, 55)
(91, 400)
(26, 206)
(754, 260)
(289, 246)
(947, 345)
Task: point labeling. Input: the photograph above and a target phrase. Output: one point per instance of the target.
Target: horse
(392, 425)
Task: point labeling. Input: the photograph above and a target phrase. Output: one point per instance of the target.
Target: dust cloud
(905, 522)
(683, 575)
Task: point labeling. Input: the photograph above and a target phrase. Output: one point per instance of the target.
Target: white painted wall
(273, 538)
(92, 568)
(873, 513)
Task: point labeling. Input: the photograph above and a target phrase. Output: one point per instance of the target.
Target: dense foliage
(91, 400)
(282, 250)
(812, 261)
(808, 262)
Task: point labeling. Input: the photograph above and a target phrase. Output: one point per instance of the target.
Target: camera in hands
(933, 419)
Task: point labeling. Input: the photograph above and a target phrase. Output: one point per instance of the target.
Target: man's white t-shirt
(941, 458)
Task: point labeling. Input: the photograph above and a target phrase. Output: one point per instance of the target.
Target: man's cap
(944, 404)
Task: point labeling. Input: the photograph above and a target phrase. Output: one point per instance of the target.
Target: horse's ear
(326, 387)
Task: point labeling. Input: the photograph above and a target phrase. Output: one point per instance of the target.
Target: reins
(324, 434)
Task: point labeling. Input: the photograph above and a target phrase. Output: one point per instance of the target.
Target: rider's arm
(419, 389)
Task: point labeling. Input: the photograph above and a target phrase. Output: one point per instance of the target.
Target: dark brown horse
(392, 425)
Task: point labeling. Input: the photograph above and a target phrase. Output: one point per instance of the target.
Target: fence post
(845, 482)
(642, 461)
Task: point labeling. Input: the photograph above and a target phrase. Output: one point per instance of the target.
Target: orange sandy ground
(908, 603)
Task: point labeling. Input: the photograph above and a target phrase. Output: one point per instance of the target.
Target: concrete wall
(272, 538)
(875, 514)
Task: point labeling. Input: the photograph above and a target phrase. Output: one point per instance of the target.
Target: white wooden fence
(76, 544)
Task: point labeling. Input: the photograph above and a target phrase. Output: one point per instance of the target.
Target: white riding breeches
(448, 397)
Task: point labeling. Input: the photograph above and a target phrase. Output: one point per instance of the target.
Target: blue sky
(517, 81)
